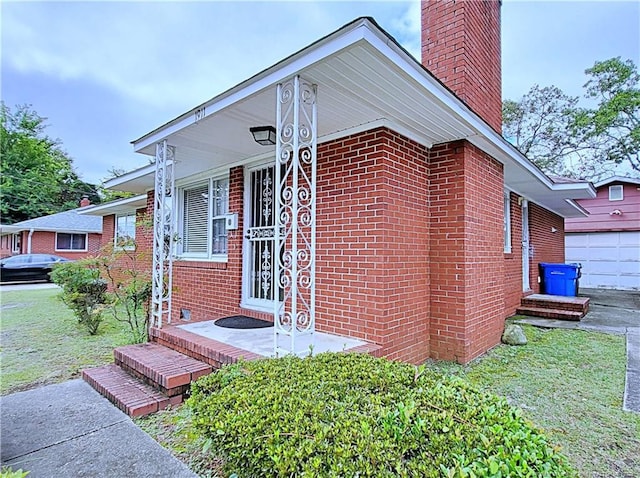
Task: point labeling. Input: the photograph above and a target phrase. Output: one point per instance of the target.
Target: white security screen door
(259, 261)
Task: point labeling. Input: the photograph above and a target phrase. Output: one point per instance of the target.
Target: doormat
(242, 322)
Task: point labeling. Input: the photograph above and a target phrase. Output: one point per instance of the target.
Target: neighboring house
(68, 234)
(382, 202)
(120, 221)
(607, 242)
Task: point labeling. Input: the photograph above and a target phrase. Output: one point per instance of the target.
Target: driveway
(610, 311)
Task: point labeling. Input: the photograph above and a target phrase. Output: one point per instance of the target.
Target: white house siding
(610, 260)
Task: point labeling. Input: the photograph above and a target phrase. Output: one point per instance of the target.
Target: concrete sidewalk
(69, 430)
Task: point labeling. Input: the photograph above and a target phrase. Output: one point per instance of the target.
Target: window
(125, 233)
(203, 215)
(507, 222)
(71, 242)
(16, 243)
(615, 193)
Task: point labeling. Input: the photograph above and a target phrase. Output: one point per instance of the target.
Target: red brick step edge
(130, 395)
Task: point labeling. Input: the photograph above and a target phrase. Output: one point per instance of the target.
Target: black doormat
(242, 322)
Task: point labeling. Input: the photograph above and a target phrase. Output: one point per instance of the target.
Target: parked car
(28, 267)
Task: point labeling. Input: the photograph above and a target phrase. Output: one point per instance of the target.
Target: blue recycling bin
(560, 279)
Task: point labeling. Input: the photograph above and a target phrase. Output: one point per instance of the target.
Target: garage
(610, 260)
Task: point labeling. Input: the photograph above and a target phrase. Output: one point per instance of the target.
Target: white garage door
(610, 260)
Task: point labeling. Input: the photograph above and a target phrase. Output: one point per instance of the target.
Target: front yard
(570, 383)
(41, 342)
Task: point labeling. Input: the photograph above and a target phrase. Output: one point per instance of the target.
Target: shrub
(7, 472)
(355, 415)
(83, 291)
(127, 271)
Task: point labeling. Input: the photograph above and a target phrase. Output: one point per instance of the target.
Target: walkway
(69, 430)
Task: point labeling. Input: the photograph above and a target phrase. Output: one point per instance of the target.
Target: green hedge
(354, 415)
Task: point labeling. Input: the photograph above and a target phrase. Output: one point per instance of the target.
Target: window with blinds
(204, 209)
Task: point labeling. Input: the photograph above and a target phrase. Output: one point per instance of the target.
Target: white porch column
(163, 235)
(295, 226)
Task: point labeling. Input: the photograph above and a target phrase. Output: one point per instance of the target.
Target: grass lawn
(42, 343)
(570, 383)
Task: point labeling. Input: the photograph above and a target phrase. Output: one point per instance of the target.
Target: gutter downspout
(29, 241)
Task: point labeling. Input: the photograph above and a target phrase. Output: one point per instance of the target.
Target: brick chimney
(85, 201)
(461, 47)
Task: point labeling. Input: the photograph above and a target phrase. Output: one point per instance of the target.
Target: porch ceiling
(356, 87)
(364, 79)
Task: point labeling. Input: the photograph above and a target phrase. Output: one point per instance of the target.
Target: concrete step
(162, 368)
(550, 313)
(129, 394)
(544, 301)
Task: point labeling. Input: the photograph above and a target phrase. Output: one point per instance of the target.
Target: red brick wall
(461, 47)
(43, 242)
(410, 249)
(108, 230)
(547, 246)
(6, 247)
(211, 290)
(467, 302)
(372, 259)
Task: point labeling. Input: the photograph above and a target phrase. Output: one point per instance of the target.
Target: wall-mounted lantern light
(264, 135)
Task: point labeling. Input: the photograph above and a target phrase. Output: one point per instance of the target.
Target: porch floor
(261, 341)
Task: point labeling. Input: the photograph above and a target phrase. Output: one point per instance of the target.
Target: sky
(106, 73)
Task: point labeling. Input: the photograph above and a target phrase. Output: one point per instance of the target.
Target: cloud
(174, 53)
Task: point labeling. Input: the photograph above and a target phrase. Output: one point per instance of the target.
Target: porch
(146, 378)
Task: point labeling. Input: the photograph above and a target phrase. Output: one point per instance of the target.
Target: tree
(539, 125)
(37, 175)
(563, 138)
(614, 126)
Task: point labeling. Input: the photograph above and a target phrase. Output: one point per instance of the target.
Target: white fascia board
(617, 179)
(9, 229)
(150, 169)
(113, 207)
(577, 207)
(485, 134)
(268, 78)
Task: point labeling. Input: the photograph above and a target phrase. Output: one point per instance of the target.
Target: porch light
(264, 135)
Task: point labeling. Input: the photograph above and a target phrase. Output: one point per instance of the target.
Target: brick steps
(198, 347)
(554, 306)
(146, 378)
(167, 370)
(130, 395)
(550, 313)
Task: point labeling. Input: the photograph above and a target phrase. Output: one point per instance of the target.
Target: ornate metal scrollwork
(163, 236)
(295, 201)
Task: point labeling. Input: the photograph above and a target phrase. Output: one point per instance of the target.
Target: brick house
(382, 202)
(607, 241)
(68, 234)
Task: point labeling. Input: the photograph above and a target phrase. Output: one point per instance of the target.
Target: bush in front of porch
(356, 415)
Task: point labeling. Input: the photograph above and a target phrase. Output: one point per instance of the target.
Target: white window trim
(507, 222)
(86, 242)
(179, 225)
(115, 232)
(617, 187)
(16, 241)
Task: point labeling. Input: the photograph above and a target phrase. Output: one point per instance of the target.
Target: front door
(525, 246)
(258, 283)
